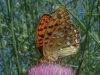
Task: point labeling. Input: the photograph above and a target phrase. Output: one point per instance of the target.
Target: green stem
(8, 3)
(3, 52)
(15, 49)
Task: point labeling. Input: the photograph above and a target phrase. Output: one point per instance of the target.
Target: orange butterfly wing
(41, 28)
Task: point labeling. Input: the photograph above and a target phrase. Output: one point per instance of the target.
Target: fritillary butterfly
(56, 36)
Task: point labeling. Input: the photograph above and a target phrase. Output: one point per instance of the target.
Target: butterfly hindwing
(59, 17)
(64, 40)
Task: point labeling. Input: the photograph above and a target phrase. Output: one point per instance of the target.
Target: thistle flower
(51, 69)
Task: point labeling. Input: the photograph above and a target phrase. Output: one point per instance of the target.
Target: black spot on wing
(50, 26)
(46, 38)
(56, 24)
(40, 29)
(41, 35)
(49, 34)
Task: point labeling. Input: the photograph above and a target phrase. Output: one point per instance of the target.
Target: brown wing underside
(64, 41)
(58, 18)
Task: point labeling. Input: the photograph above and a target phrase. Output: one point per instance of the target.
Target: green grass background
(18, 21)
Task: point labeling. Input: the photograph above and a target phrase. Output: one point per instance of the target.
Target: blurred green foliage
(18, 21)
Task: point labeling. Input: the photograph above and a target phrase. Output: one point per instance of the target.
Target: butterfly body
(57, 37)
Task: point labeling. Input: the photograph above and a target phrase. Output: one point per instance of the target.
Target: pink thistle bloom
(51, 69)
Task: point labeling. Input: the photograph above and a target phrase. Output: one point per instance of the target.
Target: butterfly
(56, 36)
